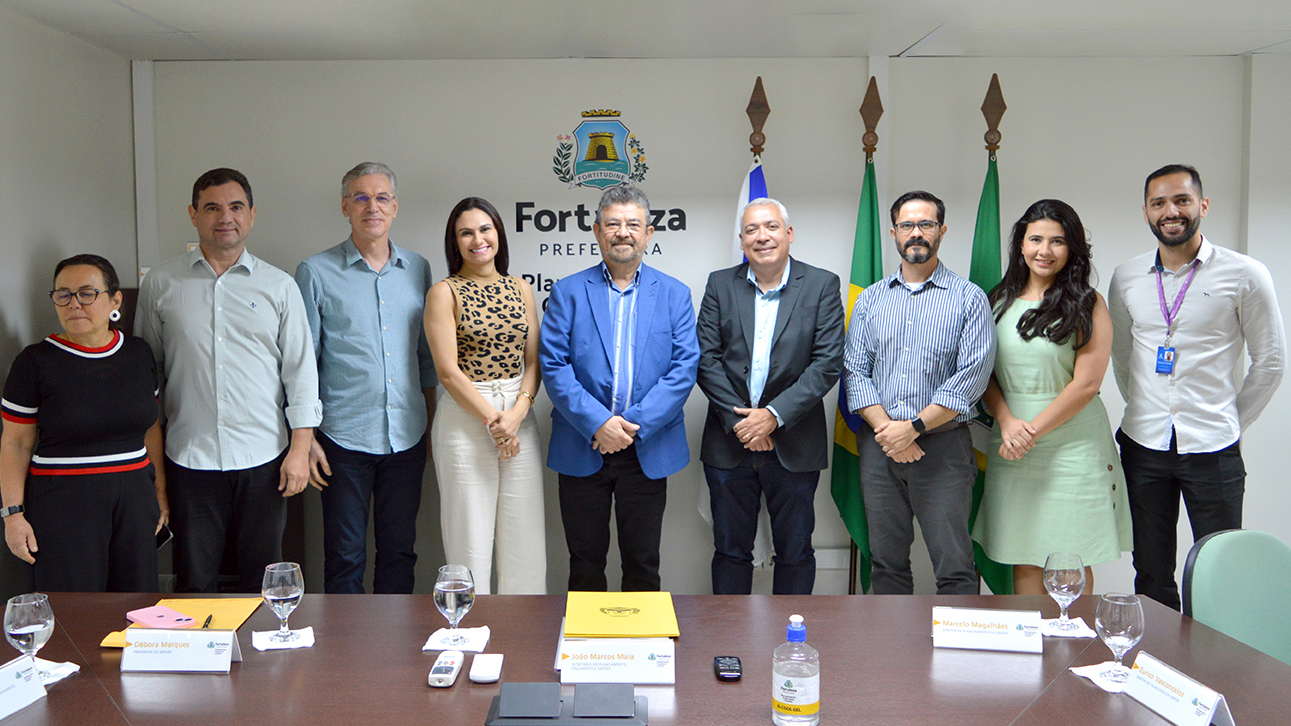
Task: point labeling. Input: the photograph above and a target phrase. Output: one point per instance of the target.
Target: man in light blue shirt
(364, 300)
(920, 349)
(770, 348)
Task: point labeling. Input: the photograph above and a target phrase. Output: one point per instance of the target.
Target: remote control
(444, 672)
(486, 668)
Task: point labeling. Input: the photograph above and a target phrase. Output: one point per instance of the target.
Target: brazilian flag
(986, 273)
(845, 478)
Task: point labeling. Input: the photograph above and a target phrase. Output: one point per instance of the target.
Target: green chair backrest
(1239, 583)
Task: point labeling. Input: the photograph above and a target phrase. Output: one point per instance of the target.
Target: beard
(919, 251)
(1189, 231)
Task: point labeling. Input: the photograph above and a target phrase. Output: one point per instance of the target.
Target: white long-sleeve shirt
(1230, 303)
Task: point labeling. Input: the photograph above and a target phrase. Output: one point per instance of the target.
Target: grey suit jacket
(806, 360)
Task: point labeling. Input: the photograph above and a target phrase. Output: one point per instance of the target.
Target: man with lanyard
(1181, 315)
(364, 300)
(920, 348)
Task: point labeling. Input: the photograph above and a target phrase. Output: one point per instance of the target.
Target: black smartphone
(163, 536)
(727, 668)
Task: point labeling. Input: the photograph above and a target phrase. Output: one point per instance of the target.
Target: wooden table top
(877, 665)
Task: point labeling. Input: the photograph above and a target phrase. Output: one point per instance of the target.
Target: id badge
(1165, 359)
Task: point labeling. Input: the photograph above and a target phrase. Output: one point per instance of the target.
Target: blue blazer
(575, 353)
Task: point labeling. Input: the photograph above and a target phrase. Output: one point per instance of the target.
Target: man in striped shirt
(920, 348)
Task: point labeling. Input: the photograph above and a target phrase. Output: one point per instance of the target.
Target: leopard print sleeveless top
(491, 329)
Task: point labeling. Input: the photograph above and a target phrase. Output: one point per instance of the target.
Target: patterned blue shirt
(908, 349)
(623, 311)
(373, 359)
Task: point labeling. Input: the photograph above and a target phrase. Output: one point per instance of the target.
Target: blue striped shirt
(908, 349)
(623, 311)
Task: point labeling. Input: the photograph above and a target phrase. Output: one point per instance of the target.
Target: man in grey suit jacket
(771, 346)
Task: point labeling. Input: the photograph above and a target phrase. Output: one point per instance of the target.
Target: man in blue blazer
(771, 347)
(619, 357)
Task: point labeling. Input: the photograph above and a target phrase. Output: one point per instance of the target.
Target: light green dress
(1067, 494)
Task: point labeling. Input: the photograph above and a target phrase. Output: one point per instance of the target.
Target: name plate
(1174, 696)
(618, 660)
(19, 685)
(180, 651)
(1016, 631)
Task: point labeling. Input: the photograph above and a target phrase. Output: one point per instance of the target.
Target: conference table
(877, 665)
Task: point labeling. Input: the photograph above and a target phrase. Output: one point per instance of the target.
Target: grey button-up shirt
(235, 360)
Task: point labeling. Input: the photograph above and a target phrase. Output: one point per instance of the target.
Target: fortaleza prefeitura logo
(601, 153)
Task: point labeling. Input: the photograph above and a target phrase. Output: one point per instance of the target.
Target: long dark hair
(451, 251)
(1068, 305)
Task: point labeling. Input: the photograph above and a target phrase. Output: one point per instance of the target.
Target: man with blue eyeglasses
(364, 300)
(920, 349)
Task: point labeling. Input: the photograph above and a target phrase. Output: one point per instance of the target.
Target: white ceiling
(495, 29)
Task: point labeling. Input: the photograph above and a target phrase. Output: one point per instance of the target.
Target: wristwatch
(917, 423)
(15, 509)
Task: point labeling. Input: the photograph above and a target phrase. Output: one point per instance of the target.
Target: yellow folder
(620, 615)
(226, 613)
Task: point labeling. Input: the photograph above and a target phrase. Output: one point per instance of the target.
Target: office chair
(1239, 583)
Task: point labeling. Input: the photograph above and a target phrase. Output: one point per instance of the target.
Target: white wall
(68, 185)
(452, 129)
(1268, 498)
(1086, 130)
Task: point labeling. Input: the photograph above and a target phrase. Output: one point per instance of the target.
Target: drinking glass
(28, 623)
(454, 595)
(1064, 578)
(282, 588)
(1120, 624)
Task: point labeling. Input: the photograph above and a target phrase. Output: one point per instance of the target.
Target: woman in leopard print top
(482, 326)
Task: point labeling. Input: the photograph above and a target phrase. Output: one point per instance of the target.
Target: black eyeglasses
(85, 296)
(926, 226)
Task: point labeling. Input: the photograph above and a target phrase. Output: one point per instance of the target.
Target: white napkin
(1094, 673)
(56, 671)
(1048, 628)
(261, 641)
(476, 639)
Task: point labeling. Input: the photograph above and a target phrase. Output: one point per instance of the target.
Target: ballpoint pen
(207, 624)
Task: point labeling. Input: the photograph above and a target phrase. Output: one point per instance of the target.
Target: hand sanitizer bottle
(795, 679)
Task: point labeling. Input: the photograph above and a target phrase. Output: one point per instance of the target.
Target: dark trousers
(638, 503)
(391, 485)
(94, 531)
(938, 490)
(211, 509)
(736, 500)
(1212, 485)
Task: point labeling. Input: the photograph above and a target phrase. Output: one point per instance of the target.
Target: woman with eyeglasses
(482, 326)
(82, 501)
(1053, 477)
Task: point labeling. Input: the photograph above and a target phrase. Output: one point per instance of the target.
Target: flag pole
(986, 272)
(871, 111)
(758, 110)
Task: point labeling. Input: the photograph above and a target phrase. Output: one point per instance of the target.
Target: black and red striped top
(92, 406)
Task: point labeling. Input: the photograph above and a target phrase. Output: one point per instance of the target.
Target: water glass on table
(28, 623)
(1120, 624)
(1064, 579)
(454, 596)
(282, 589)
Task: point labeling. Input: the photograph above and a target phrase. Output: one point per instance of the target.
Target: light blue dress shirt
(373, 359)
(766, 306)
(623, 311)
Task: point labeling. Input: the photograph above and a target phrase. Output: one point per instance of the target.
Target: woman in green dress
(1053, 478)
